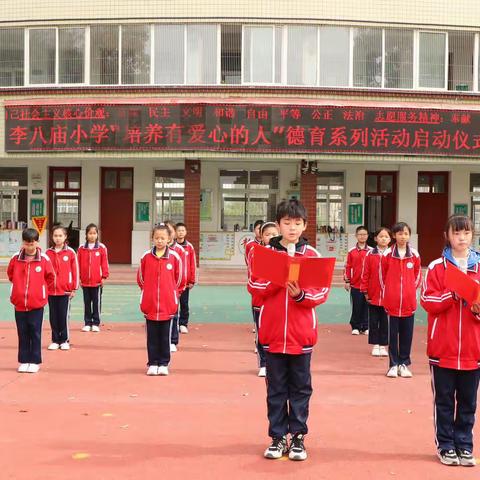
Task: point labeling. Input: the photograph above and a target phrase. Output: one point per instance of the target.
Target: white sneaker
(173, 347)
(33, 368)
(163, 371)
(355, 331)
(23, 368)
(87, 328)
(95, 328)
(262, 372)
(152, 370)
(183, 329)
(365, 332)
(393, 372)
(65, 346)
(53, 346)
(383, 351)
(376, 351)
(404, 372)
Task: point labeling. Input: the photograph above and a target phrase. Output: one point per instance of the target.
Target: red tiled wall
(308, 196)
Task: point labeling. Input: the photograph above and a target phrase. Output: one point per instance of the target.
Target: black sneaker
(277, 449)
(466, 457)
(448, 457)
(297, 448)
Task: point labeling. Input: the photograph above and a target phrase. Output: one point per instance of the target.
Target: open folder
(279, 268)
(463, 285)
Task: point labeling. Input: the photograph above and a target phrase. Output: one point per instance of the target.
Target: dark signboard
(242, 128)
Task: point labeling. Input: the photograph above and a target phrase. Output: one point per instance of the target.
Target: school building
(209, 112)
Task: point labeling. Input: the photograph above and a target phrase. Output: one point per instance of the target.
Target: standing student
(371, 288)
(453, 346)
(93, 265)
(191, 268)
(257, 240)
(160, 277)
(288, 332)
(31, 274)
(352, 277)
(173, 245)
(268, 231)
(400, 275)
(65, 265)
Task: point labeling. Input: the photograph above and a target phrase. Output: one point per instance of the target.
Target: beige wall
(426, 12)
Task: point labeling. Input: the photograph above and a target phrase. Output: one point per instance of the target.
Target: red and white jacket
(65, 265)
(161, 280)
(31, 280)
(370, 280)
(257, 296)
(183, 257)
(354, 265)
(93, 264)
(190, 261)
(453, 330)
(287, 325)
(249, 246)
(400, 278)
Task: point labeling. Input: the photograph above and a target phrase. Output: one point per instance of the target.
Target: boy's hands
(346, 286)
(294, 289)
(476, 308)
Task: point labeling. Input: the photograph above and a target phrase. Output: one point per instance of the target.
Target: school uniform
(249, 246)
(288, 332)
(175, 321)
(453, 349)
(400, 278)
(94, 269)
(353, 276)
(370, 286)
(191, 268)
(31, 278)
(257, 300)
(65, 265)
(161, 279)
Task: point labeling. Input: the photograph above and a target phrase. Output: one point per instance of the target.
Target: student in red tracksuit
(371, 288)
(268, 231)
(31, 274)
(93, 265)
(352, 277)
(453, 346)
(173, 245)
(400, 275)
(257, 240)
(160, 277)
(65, 265)
(288, 332)
(191, 266)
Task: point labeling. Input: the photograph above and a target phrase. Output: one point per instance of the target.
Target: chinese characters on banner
(242, 128)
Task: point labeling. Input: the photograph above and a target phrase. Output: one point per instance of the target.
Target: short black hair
(361, 227)
(160, 227)
(400, 226)
(181, 224)
(291, 208)
(457, 223)
(30, 235)
(258, 223)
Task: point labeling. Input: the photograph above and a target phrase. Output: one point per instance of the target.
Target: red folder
(279, 268)
(463, 285)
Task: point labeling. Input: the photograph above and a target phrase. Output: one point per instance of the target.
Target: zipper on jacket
(401, 288)
(286, 323)
(433, 328)
(158, 290)
(89, 264)
(28, 282)
(460, 334)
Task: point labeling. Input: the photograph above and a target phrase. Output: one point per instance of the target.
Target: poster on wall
(10, 242)
(333, 245)
(217, 246)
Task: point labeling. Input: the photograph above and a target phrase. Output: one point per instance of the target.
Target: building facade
(209, 112)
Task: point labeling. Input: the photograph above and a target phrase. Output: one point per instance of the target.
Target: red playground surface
(92, 413)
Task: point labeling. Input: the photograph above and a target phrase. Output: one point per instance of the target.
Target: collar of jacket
(360, 249)
(65, 247)
(300, 246)
(408, 253)
(97, 244)
(166, 253)
(22, 255)
(376, 251)
(472, 261)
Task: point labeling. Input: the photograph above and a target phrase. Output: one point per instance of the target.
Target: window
(13, 197)
(231, 54)
(334, 56)
(460, 60)
(169, 195)
(42, 56)
(302, 55)
(65, 193)
(71, 55)
(247, 196)
(104, 55)
(169, 54)
(262, 54)
(136, 54)
(367, 57)
(330, 198)
(432, 182)
(398, 58)
(11, 57)
(431, 63)
(475, 199)
(201, 54)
